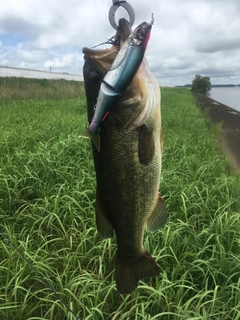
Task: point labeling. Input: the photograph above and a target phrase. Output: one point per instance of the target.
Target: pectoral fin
(158, 217)
(146, 146)
(94, 136)
(104, 227)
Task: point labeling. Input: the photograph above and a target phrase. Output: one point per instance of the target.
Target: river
(229, 96)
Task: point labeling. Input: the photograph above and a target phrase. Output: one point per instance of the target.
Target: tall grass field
(49, 240)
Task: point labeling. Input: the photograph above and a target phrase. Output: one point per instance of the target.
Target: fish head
(97, 63)
(140, 98)
(106, 57)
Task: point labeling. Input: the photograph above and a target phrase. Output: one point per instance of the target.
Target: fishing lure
(121, 73)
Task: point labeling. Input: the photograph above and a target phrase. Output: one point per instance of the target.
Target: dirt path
(230, 137)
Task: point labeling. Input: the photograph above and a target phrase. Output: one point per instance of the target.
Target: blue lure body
(121, 73)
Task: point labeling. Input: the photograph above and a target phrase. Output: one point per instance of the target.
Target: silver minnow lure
(121, 73)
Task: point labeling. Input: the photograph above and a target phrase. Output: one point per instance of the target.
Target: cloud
(188, 37)
(227, 43)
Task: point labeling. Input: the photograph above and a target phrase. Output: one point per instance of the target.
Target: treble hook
(113, 9)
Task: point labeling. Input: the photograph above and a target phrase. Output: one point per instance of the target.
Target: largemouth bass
(128, 165)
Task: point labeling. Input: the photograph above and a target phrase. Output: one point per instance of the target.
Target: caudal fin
(129, 272)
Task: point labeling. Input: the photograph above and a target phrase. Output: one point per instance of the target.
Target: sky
(188, 37)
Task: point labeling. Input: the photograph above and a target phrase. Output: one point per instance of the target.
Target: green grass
(12, 88)
(47, 196)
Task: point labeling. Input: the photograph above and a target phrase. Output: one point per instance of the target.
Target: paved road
(230, 118)
(37, 74)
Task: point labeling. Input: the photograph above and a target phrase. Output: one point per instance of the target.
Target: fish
(128, 165)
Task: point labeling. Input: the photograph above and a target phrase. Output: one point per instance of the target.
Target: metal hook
(113, 9)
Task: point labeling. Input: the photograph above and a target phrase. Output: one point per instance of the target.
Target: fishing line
(42, 278)
(96, 21)
(152, 6)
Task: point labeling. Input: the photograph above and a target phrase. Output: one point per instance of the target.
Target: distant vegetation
(213, 86)
(47, 195)
(201, 84)
(12, 88)
(225, 85)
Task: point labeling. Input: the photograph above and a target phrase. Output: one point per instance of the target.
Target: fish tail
(129, 272)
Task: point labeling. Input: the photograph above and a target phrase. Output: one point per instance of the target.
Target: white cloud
(188, 36)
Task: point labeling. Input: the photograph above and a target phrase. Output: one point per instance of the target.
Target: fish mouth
(108, 55)
(98, 54)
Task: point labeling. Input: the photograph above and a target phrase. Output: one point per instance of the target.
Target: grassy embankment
(12, 88)
(46, 209)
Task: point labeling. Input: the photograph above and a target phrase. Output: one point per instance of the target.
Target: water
(230, 96)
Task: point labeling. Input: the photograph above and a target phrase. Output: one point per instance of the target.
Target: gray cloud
(218, 44)
(188, 37)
